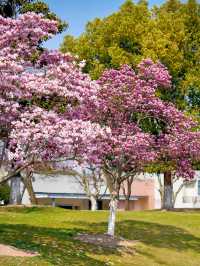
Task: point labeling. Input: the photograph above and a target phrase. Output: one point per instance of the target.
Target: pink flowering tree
(176, 143)
(18, 46)
(143, 129)
(31, 79)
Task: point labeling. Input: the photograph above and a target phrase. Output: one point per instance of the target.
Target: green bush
(4, 193)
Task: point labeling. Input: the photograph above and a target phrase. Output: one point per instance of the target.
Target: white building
(66, 191)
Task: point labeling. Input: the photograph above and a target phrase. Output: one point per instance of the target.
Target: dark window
(69, 207)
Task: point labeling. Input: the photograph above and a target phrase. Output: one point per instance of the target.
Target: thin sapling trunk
(112, 215)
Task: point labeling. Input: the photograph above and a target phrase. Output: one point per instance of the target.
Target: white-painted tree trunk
(15, 192)
(93, 201)
(112, 216)
(168, 191)
(168, 197)
(53, 202)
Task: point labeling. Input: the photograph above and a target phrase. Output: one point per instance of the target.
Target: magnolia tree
(33, 81)
(144, 129)
(18, 43)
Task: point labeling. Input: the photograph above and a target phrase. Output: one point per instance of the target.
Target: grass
(164, 238)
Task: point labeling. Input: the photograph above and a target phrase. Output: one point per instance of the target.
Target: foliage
(4, 193)
(169, 33)
(107, 43)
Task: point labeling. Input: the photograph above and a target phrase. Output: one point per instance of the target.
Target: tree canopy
(169, 33)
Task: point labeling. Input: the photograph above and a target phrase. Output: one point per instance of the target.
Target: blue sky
(78, 12)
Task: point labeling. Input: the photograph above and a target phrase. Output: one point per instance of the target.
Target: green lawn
(164, 238)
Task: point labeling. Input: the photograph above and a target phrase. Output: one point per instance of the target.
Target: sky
(78, 12)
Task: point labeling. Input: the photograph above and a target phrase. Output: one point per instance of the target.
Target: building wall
(75, 203)
(135, 205)
(68, 184)
(189, 196)
(143, 188)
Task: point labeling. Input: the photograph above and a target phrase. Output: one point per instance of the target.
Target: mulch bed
(105, 240)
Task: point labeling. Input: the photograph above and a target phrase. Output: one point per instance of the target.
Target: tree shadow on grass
(154, 234)
(58, 247)
(22, 209)
(55, 245)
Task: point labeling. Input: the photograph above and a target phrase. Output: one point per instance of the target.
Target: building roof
(78, 196)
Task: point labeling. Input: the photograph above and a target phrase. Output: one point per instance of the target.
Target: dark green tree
(4, 193)
(169, 33)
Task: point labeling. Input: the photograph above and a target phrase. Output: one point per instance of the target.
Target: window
(190, 184)
(68, 207)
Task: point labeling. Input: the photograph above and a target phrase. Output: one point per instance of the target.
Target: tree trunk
(93, 201)
(128, 195)
(161, 189)
(127, 192)
(127, 204)
(168, 191)
(53, 202)
(29, 186)
(112, 216)
(15, 192)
